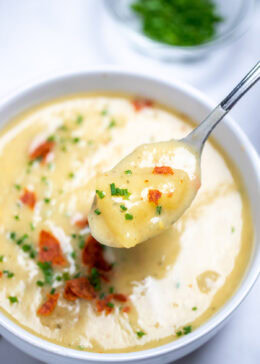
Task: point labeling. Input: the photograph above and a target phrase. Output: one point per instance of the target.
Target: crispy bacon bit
(92, 255)
(42, 150)
(163, 170)
(104, 277)
(50, 250)
(82, 223)
(120, 297)
(48, 307)
(28, 198)
(154, 195)
(106, 305)
(126, 309)
(140, 104)
(101, 305)
(79, 288)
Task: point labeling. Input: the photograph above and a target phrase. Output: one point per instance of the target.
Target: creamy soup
(58, 282)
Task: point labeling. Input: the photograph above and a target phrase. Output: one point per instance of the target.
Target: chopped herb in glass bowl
(178, 22)
(180, 29)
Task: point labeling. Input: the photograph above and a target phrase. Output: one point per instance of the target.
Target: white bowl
(229, 136)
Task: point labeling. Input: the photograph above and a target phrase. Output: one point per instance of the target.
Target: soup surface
(58, 282)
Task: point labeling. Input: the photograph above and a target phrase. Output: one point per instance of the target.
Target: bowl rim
(250, 275)
(239, 27)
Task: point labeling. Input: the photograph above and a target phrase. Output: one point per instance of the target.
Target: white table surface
(39, 38)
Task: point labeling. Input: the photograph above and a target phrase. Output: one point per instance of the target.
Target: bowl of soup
(66, 298)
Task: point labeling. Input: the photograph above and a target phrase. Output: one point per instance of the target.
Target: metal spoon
(199, 135)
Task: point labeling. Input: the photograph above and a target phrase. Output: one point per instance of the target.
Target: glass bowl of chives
(180, 29)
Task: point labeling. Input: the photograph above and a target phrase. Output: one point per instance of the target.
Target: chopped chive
(100, 194)
(44, 179)
(129, 217)
(158, 210)
(52, 291)
(22, 239)
(110, 304)
(47, 200)
(81, 242)
(187, 330)
(178, 333)
(94, 279)
(194, 308)
(58, 278)
(71, 175)
(74, 236)
(111, 289)
(32, 226)
(32, 254)
(123, 208)
(140, 334)
(77, 275)
(97, 212)
(104, 112)
(79, 119)
(51, 138)
(12, 235)
(113, 189)
(65, 276)
(8, 273)
(73, 255)
(26, 247)
(46, 268)
(102, 296)
(1, 258)
(75, 140)
(13, 299)
(16, 217)
(40, 283)
(232, 229)
(128, 171)
(112, 124)
(18, 187)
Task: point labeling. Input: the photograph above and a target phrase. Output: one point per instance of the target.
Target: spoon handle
(199, 135)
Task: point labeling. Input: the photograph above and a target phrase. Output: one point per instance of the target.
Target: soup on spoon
(147, 191)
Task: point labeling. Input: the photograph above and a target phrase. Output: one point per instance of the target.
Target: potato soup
(61, 284)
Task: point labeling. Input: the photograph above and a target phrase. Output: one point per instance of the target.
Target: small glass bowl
(236, 15)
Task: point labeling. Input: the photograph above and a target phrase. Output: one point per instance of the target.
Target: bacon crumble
(42, 151)
(106, 305)
(154, 196)
(28, 198)
(140, 104)
(92, 255)
(82, 223)
(79, 288)
(163, 170)
(48, 307)
(50, 250)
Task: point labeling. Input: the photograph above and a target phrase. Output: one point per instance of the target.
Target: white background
(39, 38)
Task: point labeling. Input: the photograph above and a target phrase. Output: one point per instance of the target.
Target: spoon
(146, 192)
